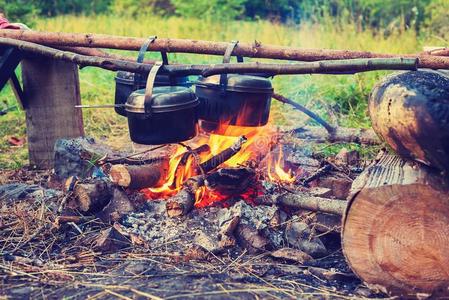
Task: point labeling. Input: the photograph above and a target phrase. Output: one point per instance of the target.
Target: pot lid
(163, 99)
(239, 83)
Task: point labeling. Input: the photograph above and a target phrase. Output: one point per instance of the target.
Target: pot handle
(226, 60)
(148, 99)
(141, 56)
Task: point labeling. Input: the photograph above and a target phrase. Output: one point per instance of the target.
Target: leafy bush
(139, 7)
(210, 9)
(437, 19)
(57, 7)
(18, 10)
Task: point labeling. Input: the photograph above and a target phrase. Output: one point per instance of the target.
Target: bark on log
(91, 196)
(207, 47)
(138, 177)
(341, 135)
(320, 67)
(303, 201)
(396, 228)
(411, 112)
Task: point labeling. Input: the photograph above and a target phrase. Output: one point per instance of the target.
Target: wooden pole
(58, 39)
(319, 67)
(396, 228)
(51, 89)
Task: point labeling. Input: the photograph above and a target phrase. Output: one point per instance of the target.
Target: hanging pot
(233, 100)
(127, 82)
(161, 115)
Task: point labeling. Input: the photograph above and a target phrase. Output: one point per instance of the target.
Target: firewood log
(137, 177)
(91, 196)
(396, 228)
(410, 111)
(304, 201)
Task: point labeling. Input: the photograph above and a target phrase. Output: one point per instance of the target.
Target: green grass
(340, 99)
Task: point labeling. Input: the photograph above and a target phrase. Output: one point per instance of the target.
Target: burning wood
(223, 156)
(214, 187)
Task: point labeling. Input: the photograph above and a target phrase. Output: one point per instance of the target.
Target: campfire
(216, 179)
(208, 154)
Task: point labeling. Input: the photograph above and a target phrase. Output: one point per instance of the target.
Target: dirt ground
(41, 259)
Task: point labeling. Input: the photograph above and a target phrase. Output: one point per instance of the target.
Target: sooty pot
(162, 115)
(236, 100)
(127, 82)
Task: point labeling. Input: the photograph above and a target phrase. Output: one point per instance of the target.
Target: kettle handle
(148, 99)
(226, 60)
(141, 56)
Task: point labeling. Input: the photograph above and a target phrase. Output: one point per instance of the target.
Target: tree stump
(396, 227)
(51, 89)
(410, 111)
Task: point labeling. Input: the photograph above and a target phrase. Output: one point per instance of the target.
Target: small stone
(299, 235)
(292, 255)
(347, 157)
(320, 192)
(339, 185)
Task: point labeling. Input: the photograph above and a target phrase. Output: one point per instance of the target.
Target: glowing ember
(275, 170)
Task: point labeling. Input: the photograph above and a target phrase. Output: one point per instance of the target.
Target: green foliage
(282, 10)
(211, 9)
(437, 19)
(387, 15)
(57, 7)
(143, 7)
(18, 10)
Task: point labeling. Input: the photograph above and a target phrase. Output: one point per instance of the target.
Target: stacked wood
(396, 228)
(410, 111)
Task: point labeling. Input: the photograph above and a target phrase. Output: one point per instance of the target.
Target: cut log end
(120, 175)
(396, 231)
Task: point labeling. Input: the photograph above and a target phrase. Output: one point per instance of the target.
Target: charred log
(411, 112)
(223, 156)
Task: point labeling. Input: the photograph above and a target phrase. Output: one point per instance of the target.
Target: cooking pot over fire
(127, 82)
(161, 115)
(233, 100)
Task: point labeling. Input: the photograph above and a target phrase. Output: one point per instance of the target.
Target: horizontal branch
(303, 201)
(320, 67)
(257, 50)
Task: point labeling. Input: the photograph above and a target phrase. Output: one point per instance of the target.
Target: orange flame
(277, 173)
(258, 143)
